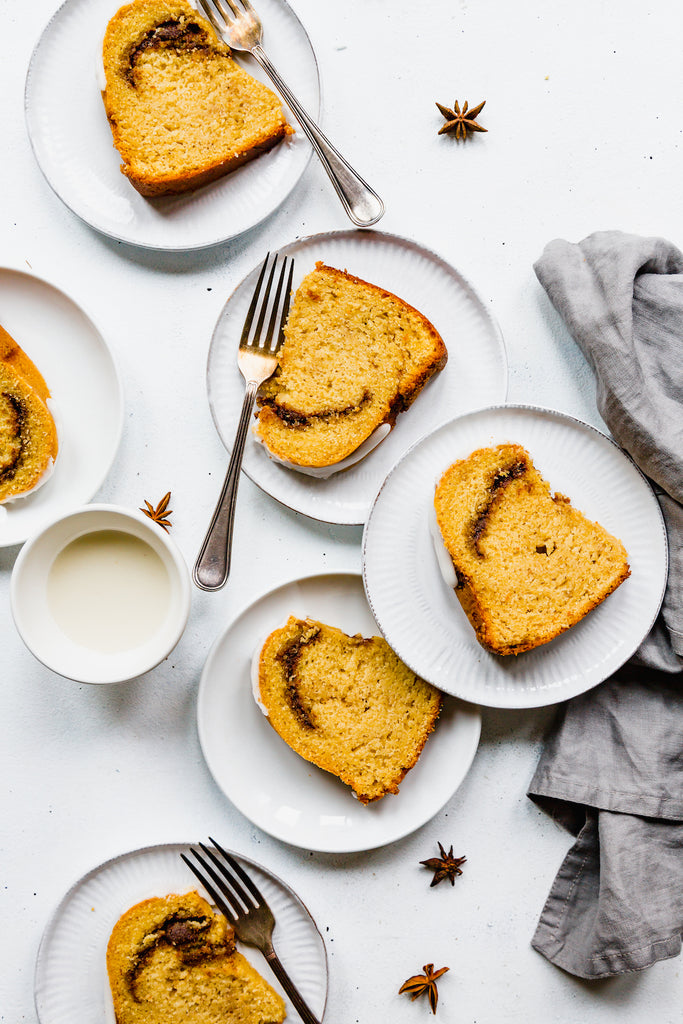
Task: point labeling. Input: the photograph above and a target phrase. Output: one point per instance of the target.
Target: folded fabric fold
(621, 297)
(608, 911)
(612, 767)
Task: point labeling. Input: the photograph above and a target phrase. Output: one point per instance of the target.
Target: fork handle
(213, 561)
(361, 202)
(307, 1016)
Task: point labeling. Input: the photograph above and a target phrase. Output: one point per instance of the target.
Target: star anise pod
(461, 121)
(161, 513)
(445, 866)
(421, 983)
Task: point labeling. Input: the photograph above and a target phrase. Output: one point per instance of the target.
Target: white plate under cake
(419, 613)
(68, 348)
(475, 374)
(72, 142)
(71, 982)
(277, 789)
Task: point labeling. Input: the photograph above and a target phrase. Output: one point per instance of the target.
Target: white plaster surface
(584, 133)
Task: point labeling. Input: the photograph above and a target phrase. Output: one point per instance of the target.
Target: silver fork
(241, 27)
(257, 361)
(247, 912)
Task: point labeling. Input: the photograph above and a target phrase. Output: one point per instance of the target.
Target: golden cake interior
(529, 564)
(181, 110)
(354, 357)
(346, 703)
(172, 960)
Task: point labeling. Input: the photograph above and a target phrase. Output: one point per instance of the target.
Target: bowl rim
(180, 584)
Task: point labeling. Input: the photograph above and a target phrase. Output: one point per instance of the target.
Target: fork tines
(265, 300)
(211, 9)
(225, 885)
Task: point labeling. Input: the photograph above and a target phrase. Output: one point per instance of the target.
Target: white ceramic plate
(72, 142)
(68, 349)
(71, 978)
(421, 617)
(279, 791)
(475, 375)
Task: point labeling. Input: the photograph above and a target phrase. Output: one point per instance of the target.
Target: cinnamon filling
(289, 658)
(15, 425)
(176, 34)
(299, 419)
(499, 482)
(187, 935)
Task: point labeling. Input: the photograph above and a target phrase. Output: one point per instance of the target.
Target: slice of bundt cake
(181, 110)
(346, 703)
(172, 960)
(529, 565)
(354, 357)
(28, 436)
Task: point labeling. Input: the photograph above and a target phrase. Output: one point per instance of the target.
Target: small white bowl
(40, 630)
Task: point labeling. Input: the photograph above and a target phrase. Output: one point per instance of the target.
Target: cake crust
(529, 565)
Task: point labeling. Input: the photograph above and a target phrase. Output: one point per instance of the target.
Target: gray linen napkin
(612, 768)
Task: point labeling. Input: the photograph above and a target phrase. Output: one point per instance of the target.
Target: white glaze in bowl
(36, 622)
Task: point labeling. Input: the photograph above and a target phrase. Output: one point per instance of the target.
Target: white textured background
(585, 125)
